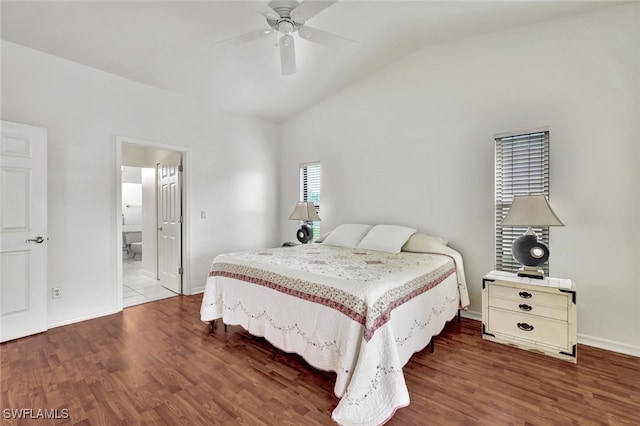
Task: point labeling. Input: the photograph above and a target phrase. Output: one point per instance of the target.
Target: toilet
(133, 240)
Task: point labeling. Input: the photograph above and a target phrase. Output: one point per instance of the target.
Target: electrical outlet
(56, 292)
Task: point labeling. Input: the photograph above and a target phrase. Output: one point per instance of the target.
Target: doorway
(143, 255)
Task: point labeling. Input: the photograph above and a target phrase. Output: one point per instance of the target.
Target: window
(310, 190)
(521, 168)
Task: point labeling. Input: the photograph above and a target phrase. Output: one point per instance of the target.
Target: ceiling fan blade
(268, 12)
(253, 35)
(287, 55)
(322, 37)
(308, 9)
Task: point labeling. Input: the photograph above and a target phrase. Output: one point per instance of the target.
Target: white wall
(131, 175)
(142, 156)
(234, 171)
(412, 144)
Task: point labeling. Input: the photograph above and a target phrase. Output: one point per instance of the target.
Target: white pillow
(347, 235)
(388, 238)
(322, 237)
(423, 243)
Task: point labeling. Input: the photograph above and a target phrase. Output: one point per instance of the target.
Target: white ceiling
(169, 44)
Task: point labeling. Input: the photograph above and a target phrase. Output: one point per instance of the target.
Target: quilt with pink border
(360, 313)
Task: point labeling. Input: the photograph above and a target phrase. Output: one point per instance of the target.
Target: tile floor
(139, 287)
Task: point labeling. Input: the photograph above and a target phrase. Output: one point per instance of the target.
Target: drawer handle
(525, 307)
(524, 326)
(525, 295)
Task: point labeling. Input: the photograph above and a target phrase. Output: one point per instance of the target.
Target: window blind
(521, 168)
(310, 190)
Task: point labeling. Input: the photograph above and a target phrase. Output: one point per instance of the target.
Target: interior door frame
(186, 203)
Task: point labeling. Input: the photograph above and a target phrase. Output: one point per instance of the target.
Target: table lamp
(530, 210)
(305, 212)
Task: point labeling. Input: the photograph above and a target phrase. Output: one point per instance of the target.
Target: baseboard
(583, 339)
(196, 290)
(473, 315)
(85, 318)
(609, 345)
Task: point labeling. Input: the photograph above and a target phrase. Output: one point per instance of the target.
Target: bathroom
(132, 212)
(139, 227)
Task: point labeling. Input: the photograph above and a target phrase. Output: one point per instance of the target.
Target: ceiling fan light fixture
(285, 27)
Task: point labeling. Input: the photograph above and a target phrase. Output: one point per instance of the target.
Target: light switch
(203, 214)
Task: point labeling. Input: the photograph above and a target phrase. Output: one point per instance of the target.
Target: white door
(170, 223)
(23, 230)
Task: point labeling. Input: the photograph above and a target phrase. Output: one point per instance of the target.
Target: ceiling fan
(287, 17)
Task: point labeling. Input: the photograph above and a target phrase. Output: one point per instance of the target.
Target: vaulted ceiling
(170, 44)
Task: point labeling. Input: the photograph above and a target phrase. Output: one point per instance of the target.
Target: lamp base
(305, 233)
(531, 272)
(530, 253)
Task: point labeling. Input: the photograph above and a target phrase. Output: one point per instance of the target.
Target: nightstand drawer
(529, 327)
(527, 307)
(527, 295)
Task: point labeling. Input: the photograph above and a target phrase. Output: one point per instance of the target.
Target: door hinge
(179, 167)
(180, 219)
(180, 271)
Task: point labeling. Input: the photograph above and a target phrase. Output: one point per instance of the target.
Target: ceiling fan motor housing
(283, 7)
(284, 23)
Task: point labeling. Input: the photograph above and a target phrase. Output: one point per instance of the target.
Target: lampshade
(531, 210)
(304, 211)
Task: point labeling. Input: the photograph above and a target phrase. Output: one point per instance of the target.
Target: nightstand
(532, 314)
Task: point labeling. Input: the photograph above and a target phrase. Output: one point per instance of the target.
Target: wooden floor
(158, 364)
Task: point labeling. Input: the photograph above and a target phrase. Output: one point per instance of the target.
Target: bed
(346, 308)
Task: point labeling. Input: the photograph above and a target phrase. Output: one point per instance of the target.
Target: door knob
(37, 239)
(160, 229)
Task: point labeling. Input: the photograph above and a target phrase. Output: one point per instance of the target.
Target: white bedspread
(359, 313)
